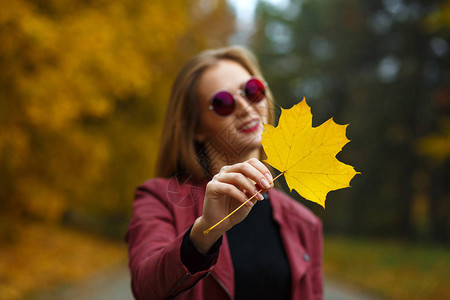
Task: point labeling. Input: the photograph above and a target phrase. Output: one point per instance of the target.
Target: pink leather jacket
(164, 209)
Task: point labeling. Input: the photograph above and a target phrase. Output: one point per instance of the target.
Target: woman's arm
(157, 270)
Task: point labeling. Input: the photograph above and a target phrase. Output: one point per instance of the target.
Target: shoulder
(286, 207)
(159, 182)
(154, 185)
(174, 190)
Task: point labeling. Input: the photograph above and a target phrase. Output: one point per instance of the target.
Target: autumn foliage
(83, 89)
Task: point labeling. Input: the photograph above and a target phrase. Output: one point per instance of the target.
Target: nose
(243, 107)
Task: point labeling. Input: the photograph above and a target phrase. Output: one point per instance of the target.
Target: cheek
(263, 111)
(214, 128)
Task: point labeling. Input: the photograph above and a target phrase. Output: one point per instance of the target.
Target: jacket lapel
(291, 239)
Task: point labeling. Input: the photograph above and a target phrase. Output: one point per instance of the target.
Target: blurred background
(83, 90)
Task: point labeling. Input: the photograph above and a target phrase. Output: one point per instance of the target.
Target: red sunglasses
(223, 102)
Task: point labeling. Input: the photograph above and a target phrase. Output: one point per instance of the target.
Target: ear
(200, 137)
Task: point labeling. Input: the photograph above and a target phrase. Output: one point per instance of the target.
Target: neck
(219, 158)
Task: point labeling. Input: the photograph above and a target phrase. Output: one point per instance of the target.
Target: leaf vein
(298, 180)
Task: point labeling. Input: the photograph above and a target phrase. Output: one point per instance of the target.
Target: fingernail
(264, 183)
(269, 176)
(259, 196)
(250, 203)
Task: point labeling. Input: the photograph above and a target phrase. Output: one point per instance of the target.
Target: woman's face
(235, 137)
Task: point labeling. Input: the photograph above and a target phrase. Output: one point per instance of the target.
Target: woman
(208, 165)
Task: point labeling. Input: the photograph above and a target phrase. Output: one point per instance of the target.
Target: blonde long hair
(180, 152)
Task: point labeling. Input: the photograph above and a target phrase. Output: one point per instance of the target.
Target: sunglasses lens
(223, 103)
(255, 90)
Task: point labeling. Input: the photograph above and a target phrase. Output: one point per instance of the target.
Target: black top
(261, 268)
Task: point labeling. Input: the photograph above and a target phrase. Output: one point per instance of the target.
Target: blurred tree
(383, 66)
(83, 88)
(435, 146)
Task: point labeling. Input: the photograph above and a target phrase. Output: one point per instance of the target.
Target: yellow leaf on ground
(307, 155)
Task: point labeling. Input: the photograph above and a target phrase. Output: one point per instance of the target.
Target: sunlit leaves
(83, 89)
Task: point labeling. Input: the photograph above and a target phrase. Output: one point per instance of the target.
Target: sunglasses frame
(241, 92)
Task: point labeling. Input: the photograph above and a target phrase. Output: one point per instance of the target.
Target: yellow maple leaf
(307, 155)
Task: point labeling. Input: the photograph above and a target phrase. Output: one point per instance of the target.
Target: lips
(250, 126)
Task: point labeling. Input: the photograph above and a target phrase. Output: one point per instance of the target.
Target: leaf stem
(205, 232)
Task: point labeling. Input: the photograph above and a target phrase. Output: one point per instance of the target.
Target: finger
(262, 168)
(254, 196)
(240, 181)
(251, 172)
(230, 190)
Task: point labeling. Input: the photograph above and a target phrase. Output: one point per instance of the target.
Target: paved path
(114, 284)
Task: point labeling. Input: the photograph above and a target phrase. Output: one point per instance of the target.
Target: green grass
(388, 268)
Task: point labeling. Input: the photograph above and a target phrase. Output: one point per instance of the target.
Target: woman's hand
(228, 189)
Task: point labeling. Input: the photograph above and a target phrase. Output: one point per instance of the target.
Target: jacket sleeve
(157, 271)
